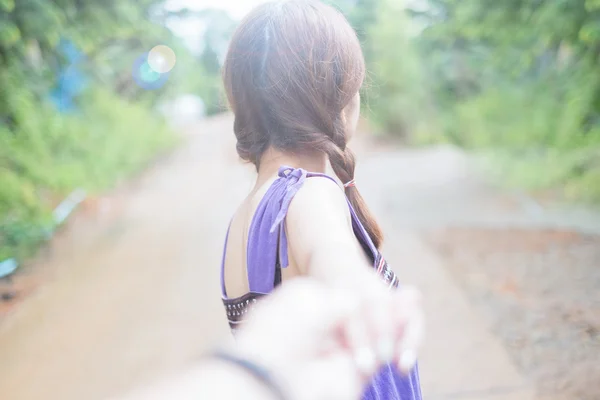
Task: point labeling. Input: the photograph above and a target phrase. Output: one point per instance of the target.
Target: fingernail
(385, 350)
(365, 360)
(408, 360)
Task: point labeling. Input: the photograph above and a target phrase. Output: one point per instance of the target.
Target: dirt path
(532, 273)
(132, 289)
(539, 292)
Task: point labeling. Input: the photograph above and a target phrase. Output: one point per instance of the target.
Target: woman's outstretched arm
(323, 245)
(320, 235)
(297, 336)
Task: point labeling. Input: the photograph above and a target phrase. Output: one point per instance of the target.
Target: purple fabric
(267, 229)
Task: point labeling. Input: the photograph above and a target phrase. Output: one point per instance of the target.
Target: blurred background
(479, 149)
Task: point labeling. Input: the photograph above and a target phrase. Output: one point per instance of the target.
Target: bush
(49, 154)
(518, 83)
(536, 135)
(396, 97)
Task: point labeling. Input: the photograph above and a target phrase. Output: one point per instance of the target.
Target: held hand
(387, 329)
(325, 343)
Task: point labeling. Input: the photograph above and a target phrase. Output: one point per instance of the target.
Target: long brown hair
(291, 69)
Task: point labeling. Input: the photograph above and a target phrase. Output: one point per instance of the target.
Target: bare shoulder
(317, 195)
(318, 218)
(319, 229)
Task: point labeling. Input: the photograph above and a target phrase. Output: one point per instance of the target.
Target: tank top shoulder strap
(297, 177)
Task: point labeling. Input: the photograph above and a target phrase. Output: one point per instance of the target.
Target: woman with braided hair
(292, 76)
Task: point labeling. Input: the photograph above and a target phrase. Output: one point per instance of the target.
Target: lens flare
(145, 76)
(161, 59)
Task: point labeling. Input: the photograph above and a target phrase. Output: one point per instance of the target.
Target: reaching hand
(325, 343)
(319, 342)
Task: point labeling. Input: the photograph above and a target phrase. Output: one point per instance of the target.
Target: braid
(343, 162)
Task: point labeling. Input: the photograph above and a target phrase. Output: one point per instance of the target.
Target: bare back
(236, 251)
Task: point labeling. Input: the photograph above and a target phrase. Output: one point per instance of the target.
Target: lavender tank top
(267, 253)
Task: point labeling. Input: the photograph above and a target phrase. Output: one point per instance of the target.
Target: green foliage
(219, 29)
(396, 95)
(362, 15)
(115, 130)
(212, 91)
(516, 80)
(393, 95)
(519, 81)
(51, 154)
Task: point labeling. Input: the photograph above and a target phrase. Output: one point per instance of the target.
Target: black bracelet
(253, 369)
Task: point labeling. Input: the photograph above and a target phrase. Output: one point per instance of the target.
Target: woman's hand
(325, 342)
(319, 342)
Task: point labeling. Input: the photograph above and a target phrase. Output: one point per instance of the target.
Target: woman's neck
(272, 159)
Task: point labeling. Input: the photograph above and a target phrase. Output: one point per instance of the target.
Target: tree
(521, 76)
(45, 47)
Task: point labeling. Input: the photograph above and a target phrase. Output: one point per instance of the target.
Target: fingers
(388, 328)
(370, 332)
(375, 326)
(383, 330)
(409, 326)
(360, 345)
